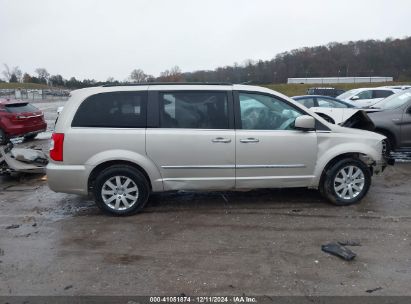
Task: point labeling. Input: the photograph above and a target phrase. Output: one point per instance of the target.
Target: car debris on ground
(349, 243)
(373, 289)
(22, 160)
(338, 250)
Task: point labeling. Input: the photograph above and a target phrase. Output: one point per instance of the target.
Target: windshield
(394, 101)
(347, 94)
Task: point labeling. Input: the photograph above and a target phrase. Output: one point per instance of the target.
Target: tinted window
(382, 94)
(365, 95)
(307, 102)
(262, 112)
(194, 110)
(329, 103)
(21, 108)
(112, 110)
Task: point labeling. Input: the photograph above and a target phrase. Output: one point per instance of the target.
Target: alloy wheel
(349, 182)
(119, 192)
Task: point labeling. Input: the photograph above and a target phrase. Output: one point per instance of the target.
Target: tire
(387, 146)
(118, 184)
(341, 193)
(30, 137)
(3, 137)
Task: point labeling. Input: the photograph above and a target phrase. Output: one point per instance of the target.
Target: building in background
(317, 80)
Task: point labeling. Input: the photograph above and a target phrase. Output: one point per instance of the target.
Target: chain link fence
(35, 94)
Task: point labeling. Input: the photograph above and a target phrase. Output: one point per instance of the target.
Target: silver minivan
(121, 143)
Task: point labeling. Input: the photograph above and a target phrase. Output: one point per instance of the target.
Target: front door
(269, 152)
(194, 145)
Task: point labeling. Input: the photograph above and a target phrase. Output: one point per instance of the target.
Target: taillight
(56, 148)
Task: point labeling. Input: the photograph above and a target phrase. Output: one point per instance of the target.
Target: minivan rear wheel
(121, 190)
(346, 182)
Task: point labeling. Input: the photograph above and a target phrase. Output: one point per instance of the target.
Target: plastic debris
(14, 226)
(29, 156)
(349, 243)
(374, 289)
(339, 250)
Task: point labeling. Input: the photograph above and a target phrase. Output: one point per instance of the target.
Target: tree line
(389, 57)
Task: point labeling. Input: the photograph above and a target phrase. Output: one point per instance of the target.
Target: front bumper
(379, 166)
(390, 161)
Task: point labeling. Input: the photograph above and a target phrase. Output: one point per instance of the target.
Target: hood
(367, 134)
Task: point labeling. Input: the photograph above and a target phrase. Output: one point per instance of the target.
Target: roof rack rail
(165, 83)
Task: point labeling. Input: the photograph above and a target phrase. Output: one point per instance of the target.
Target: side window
(382, 93)
(194, 110)
(329, 103)
(112, 110)
(365, 95)
(262, 112)
(307, 102)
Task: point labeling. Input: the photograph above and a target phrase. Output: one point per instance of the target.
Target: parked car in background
(332, 92)
(366, 97)
(316, 101)
(121, 143)
(20, 118)
(336, 111)
(398, 87)
(394, 120)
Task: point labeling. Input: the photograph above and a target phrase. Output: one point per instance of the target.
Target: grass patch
(18, 85)
(301, 89)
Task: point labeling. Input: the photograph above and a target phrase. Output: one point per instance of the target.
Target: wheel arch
(101, 167)
(333, 161)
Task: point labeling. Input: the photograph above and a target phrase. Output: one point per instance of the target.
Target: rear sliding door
(193, 143)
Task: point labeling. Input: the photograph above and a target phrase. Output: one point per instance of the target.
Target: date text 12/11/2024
(203, 299)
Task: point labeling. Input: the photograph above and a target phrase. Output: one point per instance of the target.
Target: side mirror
(409, 110)
(304, 123)
(355, 97)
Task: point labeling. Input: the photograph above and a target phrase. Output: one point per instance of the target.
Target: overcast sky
(101, 38)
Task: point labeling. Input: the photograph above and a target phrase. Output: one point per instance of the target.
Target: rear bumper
(20, 130)
(67, 178)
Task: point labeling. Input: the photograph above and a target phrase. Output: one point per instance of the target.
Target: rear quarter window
(112, 110)
(382, 94)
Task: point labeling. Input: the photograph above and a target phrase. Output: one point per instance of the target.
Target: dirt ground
(265, 242)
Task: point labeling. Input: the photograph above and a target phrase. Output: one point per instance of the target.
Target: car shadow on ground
(253, 199)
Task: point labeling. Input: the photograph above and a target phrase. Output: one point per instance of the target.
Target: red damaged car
(20, 118)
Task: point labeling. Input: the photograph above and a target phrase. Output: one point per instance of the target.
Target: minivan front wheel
(346, 182)
(121, 190)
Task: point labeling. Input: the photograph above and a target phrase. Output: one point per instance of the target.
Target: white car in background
(366, 97)
(337, 111)
(398, 87)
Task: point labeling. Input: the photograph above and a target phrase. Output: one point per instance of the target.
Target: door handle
(249, 140)
(221, 140)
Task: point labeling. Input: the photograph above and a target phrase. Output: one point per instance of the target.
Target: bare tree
(138, 75)
(43, 74)
(12, 73)
(172, 75)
